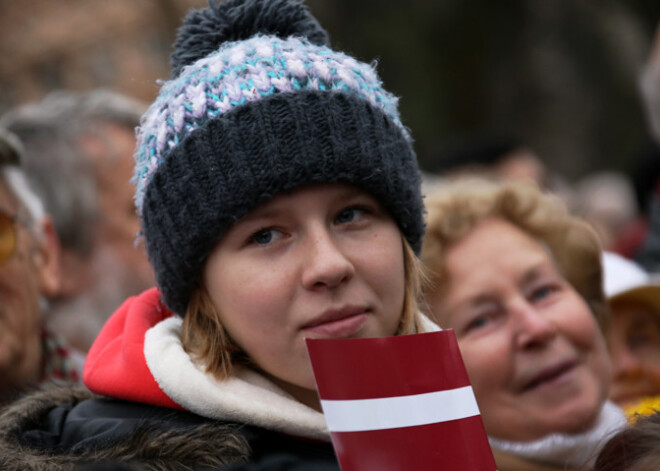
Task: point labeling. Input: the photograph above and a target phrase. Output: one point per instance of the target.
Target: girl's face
(634, 343)
(324, 261)
(533, 351)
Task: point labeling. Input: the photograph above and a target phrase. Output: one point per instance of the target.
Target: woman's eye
(483, 317)
(265, 236)
(478, 323)
(349, 215)
(542, 292)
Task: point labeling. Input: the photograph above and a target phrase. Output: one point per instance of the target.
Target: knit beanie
(258, 105)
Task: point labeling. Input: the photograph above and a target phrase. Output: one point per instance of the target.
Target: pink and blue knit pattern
(241, 72)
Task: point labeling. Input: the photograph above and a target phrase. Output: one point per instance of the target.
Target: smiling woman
(519, 280)
(279, 197)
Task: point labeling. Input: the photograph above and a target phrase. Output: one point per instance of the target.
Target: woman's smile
(531, 345)
(551, 378)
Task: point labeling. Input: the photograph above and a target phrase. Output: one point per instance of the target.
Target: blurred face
(116, 268)
(634, 342)
(21, 281)
(522, 164)
(119, 223)
(325, 261)
(534, 354)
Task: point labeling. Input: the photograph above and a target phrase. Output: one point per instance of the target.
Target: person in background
(606, 200)
(498, 157)
(643, 177)
(280, 199)
(29, 270)
(647, 252)
(649, 81)
(79, 157)
(634, 334)
(519, 280)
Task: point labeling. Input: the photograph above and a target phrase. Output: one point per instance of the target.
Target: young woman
(634, 337)
(279, 196)
(519, 280)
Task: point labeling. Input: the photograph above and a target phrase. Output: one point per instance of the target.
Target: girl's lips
(337, 324)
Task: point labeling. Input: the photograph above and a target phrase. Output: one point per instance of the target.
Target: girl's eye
(638, 341)
(643, 338)
(349, 215)
(266, 236)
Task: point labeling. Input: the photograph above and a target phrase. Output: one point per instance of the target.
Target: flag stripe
(459, 445)
(397, 412)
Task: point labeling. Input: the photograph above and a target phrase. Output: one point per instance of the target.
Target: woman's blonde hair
(455, 208)
(206, 340)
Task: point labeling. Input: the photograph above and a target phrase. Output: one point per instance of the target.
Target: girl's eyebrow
(262, 213)
(642, 322)
(271, 209)
(277, 208)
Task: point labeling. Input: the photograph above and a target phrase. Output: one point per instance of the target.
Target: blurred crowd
(544, 281)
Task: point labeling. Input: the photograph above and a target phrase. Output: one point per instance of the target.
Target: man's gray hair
(54, 160)
(30, 206)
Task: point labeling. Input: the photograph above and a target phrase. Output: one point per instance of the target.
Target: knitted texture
(205, 30)
(57, 361)
(241, 72)
(255, 118)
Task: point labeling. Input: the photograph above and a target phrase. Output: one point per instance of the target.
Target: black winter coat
(69, 428)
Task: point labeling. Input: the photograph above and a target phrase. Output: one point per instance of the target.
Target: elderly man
(79, 155)
(29, 270)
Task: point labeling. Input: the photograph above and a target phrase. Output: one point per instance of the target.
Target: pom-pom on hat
(259, 105)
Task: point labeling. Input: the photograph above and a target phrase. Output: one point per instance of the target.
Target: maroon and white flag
(400, 403)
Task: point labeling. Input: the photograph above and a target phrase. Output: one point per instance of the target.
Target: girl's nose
(325, 264)
(625, 364)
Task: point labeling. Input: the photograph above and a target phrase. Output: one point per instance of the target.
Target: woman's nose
(326, 265)
(533, 328)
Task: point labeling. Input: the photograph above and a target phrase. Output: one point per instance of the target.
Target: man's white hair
(29, 203)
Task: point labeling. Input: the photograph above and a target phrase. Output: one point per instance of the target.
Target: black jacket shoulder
(65, 427)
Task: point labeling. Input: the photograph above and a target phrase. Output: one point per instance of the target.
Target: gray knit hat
(258, 105)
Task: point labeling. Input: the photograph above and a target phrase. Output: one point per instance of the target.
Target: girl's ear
(47, 258)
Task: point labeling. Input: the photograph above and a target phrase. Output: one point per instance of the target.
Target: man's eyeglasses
(7, 236)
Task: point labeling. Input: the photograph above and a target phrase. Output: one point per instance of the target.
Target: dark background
(560, 75)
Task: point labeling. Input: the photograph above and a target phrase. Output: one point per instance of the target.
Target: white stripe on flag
(403, 411)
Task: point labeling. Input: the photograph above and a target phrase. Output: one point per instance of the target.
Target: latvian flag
(400, 403)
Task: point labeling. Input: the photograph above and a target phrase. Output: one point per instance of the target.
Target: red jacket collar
(115, 364)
